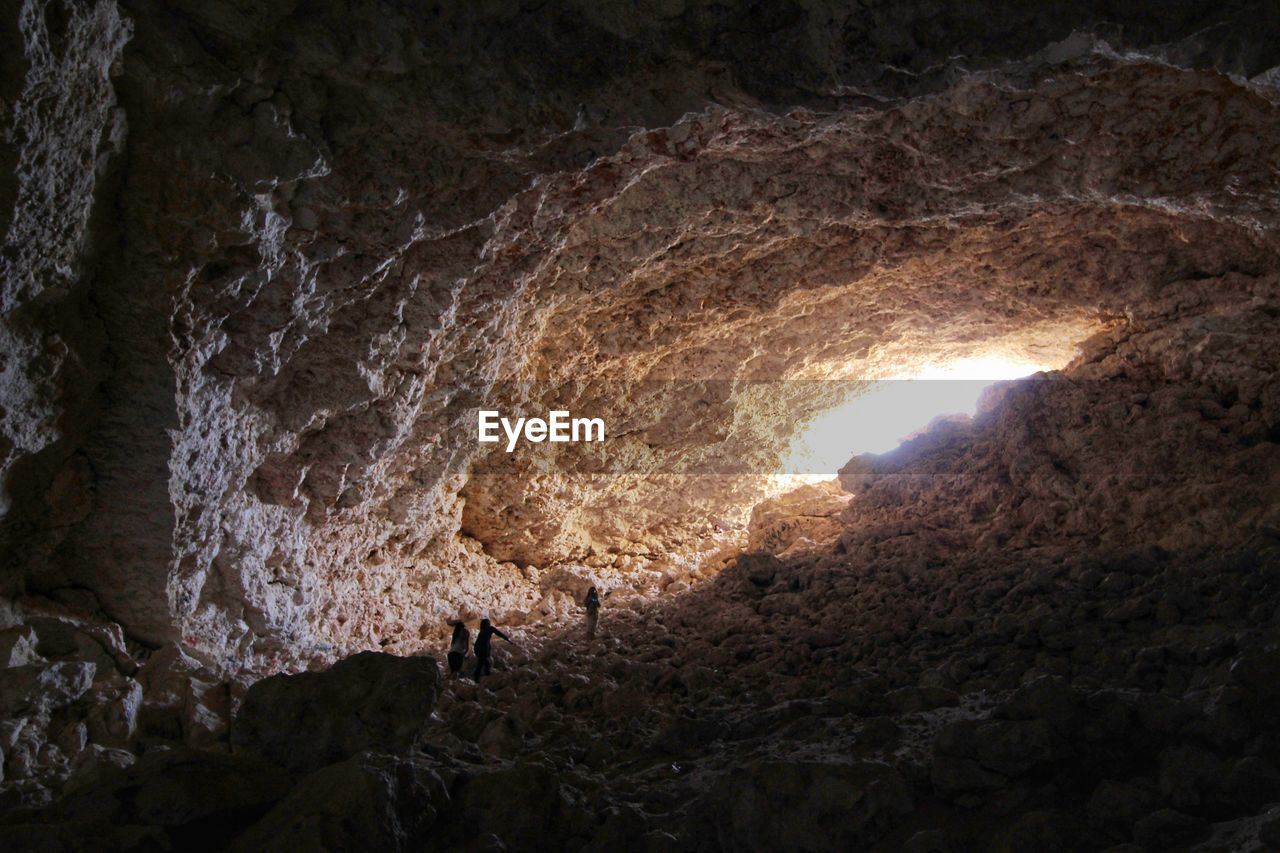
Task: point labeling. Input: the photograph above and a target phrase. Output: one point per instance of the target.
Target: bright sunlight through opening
(877, 420)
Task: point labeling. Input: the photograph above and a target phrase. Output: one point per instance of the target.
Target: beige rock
(809, 512)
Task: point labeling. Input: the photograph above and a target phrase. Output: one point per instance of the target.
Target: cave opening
(878, 417)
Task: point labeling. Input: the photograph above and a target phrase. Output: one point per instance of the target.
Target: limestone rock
(18, 647)
(37, 689)
(184, 798)
(114, 708)
(810, 512)
(306, 721)
(371, 800)
(985, 754)
(812, 806)
(183, 700)
(261, 265)
(228, 429)
(519, 806)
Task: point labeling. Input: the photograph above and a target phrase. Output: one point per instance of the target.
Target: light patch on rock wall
(59, 128)
(339, 314)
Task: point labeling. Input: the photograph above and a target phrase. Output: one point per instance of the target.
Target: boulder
(568, 581)
(1042, 832)
(1269, 832)
(113, 707)
(372, 801)
(952, 777)
(37, 689)
(810, 512)
(978, 754)
(41, 732)
(170, 799)
(681, 734)
(1046, 698)
(306, 721)
(184, 700)
(521, 806)
(65, 636)
(760, 570)
(1166, 829)
(97, 762)
(1119, 805)
(1188, 775)
(18, 647)
(1253, 782)
(1257, 672)
(805, 805)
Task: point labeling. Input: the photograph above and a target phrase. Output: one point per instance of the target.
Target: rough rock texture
(170, 799)
(798, 518)
(69, 697)
(350, 245)
(1060, 700)
(262, 262)
(370, 801)
(313, 719)
(1164, 433)
(806, 806)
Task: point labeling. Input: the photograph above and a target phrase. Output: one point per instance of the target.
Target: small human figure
(593, 612)
(458, 648)
(484, 659)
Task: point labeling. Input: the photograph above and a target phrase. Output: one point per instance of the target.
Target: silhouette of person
(593, 612)
(458, 648)
(484, 659)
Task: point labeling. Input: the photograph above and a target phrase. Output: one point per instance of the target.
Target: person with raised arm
(484, 654)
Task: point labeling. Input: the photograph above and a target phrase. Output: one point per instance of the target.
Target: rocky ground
(1062, 701)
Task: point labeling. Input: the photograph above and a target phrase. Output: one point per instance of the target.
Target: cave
(269, 268)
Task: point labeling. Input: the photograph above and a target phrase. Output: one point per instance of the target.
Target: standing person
(593, 612)
(484, 660)
(458, 648)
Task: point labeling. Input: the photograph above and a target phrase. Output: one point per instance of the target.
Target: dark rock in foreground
(307, 721)
(179, 799)
(369, 802)
(806, 806)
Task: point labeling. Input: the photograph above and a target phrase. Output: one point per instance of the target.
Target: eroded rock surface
(797, 518)
(872, 704)
(320, 251)
(261, 265)
(313, 719)
(369, 801)
(170, 799)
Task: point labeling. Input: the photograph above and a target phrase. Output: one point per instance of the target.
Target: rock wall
(63, 134)
(1162, 434)
(261, 265)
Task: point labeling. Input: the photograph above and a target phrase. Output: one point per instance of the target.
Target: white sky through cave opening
(889, 410)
